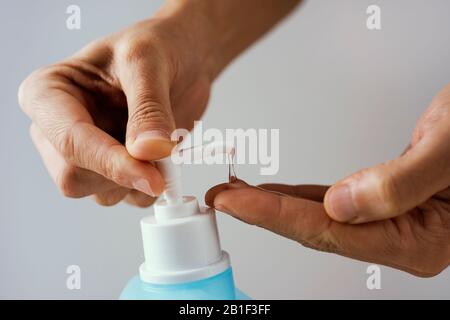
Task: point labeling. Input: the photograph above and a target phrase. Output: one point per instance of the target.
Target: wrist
(218, 31)
(212, 33)
(193, 32)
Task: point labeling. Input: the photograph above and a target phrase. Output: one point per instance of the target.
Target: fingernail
(153, 135)
(341, 203)
(143, 185)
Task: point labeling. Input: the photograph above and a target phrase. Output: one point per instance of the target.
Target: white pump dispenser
(181, 240)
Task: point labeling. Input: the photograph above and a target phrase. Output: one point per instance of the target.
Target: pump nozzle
(171, 172)
(181, 240)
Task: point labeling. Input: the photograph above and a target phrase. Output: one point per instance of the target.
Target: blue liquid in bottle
(219, 287)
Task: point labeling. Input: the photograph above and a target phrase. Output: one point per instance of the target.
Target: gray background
(343, 97)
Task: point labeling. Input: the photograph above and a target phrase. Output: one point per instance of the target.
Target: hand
(396, 213)
(134, 87)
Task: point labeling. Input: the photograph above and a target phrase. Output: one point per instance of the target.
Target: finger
(72, 181)
(311, 192)
(393, 188)
(298, 219)
(443, 195)
(307, 222)
(111, 197)
(406, 150)
(282, 214)
(139, 199)
(65, 122)
(151, 121)
(211, 194)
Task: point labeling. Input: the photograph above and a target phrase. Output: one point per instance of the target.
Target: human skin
(396, 213)
(101, 115)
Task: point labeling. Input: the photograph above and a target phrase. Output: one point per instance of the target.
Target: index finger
(307, 222)
(58, 108)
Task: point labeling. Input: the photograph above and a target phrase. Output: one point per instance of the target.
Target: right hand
(131, 88)
(396, 213)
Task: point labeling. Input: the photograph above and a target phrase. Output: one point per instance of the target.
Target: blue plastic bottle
(183, 257)
(219, 287)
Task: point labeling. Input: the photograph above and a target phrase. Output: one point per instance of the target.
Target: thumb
(392, 188)
(150, 121)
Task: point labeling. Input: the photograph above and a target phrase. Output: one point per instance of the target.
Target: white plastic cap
(181, 240)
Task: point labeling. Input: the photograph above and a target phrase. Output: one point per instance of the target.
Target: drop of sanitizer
(215, 148)
(232, 177)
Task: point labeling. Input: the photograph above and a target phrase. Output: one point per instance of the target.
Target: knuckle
(26, 86)
(111, 197)
(280, 213)
(105, 201)
(324, 242)
(66, 144)
(148, 110)
(151, 51)
(23, 88)
(40, 85)
(113, 170)
(428, 270)
(67, 182)
(134, 49)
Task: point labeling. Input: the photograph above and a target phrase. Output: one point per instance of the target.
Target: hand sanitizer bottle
(183, 256)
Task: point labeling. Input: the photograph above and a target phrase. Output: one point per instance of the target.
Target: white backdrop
(343, 98)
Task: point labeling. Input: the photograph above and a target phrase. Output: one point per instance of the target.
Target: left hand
(396, 214)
